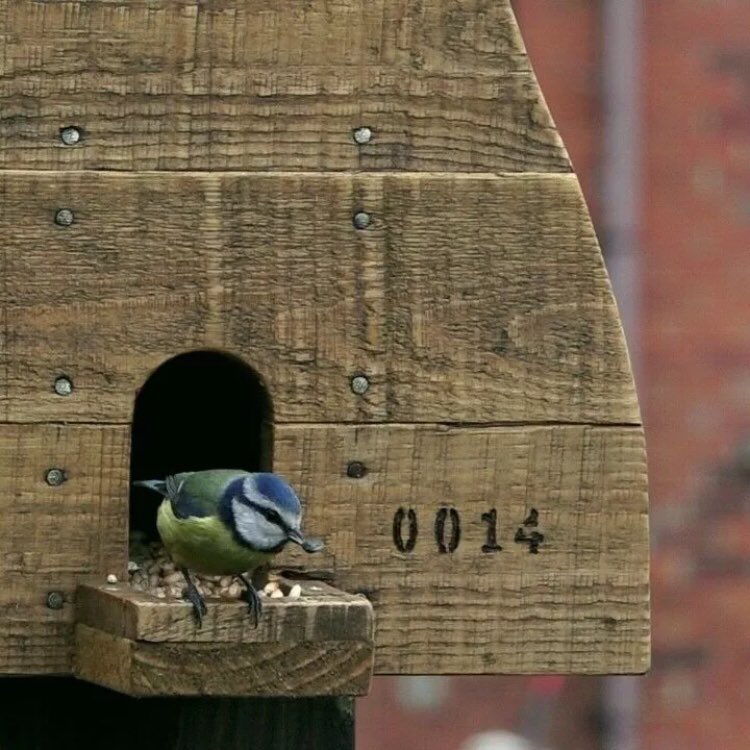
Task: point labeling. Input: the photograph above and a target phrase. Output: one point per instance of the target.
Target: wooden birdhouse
(338, 239)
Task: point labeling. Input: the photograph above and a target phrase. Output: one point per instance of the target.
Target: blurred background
(652, 98)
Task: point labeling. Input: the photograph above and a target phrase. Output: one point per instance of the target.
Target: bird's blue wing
(198, 494)
(185, 502)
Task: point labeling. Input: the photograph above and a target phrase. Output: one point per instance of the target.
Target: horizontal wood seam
(345, 423)
(282, 174)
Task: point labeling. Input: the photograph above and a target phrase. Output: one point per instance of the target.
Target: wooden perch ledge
(132, 642)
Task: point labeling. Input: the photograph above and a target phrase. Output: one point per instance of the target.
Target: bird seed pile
(150, 570)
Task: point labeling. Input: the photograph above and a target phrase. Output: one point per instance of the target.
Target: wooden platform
(320, 644)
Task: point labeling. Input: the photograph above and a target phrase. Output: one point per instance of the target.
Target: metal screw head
(63, 386)
(55, 600)
(64, 217)
(360, 384)
(355, 470)
(70, 135)
(55, 477)
(362, 135)
(362, 220)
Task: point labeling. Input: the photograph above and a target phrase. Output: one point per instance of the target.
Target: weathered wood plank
(32, 643)
(73, 529)
(579, 605)
(184, 36)
(322, 613)
(478, 299)
(56, 537)
(265, 669)
(319, 644)
(262, 84)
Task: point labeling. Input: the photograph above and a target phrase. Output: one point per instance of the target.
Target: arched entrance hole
(199, 410)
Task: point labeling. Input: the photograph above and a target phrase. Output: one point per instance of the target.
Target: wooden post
(61, 713)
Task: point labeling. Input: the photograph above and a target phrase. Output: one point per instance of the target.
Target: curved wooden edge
(269, 84)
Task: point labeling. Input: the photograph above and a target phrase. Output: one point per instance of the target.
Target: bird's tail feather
(173, 486)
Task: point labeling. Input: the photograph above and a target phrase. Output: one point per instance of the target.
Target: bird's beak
(309, 545)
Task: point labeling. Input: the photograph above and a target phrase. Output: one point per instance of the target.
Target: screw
(362, 135)
(64, 217)
(55, 477)
(55, 600)
(63, 386)
(362, 220)
(360, 384)
(355, 470)
(70, 135)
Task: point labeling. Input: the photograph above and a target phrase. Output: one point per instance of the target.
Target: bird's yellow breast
(205, 545)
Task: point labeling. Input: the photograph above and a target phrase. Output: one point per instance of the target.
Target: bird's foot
(199, 605)
(194, 597)
(253, 600)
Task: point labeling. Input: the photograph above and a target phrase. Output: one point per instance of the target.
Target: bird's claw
(199, 605)
(253, 600)
(194, 597)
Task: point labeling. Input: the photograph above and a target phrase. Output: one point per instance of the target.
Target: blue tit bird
(226, 522)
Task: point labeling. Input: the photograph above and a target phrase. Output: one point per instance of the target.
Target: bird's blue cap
(274, 487)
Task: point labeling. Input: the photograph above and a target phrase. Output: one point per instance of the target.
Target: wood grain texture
(580, 605)
(263, 84)
(269, 669)
(55, 537)
(319, 644)
(476, 302)
(322, 613)
(479, 299)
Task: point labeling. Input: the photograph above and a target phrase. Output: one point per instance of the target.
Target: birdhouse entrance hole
(199, 410)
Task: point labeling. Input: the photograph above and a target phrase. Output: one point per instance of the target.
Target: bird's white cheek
(254, 529)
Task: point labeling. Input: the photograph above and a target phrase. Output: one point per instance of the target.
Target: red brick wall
(563, 39)
(696, 394)
(481, 702)
(696, 231)
(565, 716)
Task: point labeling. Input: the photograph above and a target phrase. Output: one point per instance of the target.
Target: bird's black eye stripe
(269, 514)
